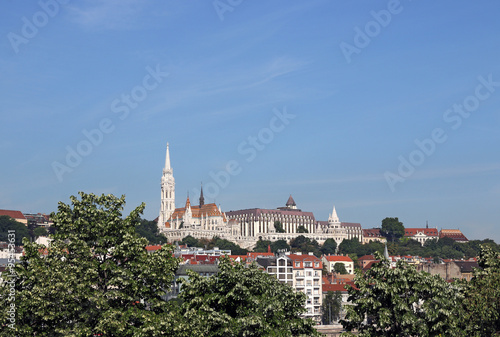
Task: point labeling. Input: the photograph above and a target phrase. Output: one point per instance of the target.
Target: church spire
(167, 159)
(202, 198)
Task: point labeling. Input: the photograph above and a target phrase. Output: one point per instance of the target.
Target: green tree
(402, 302)
(481, 304)
(40, 231)
(331, 308)
(262, 245)
(340, 268)
(305, 245)
(328, 247)
(280, 245)
(278, 227)
(225, 244)
(302, 229)
(392, 228)
(19, 229)
(97, 277)
(190, 241)
(243, 301)
(351, 246)
(149, 230)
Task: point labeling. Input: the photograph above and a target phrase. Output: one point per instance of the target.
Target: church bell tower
(167, 206)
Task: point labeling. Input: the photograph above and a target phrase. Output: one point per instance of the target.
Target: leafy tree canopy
(214, 242)
(401, 302)
(262, 246)
(20, 230)
(190, 241)
(243, 301)
(392, 228)
(225, 244)
(97, 277)
(305, 245)
(328, 247)
(481, 304)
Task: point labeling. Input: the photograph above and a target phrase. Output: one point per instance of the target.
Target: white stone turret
(333, 219)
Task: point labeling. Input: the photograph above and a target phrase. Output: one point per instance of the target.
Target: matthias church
(244, 226)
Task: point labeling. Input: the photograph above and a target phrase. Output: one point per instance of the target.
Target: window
(307, 264)
(297, 264)
(316, 264)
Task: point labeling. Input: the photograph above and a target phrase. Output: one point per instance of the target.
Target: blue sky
(324, 100)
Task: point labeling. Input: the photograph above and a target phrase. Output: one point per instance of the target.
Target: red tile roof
(198, 212)
(369, 265)
(454, 234)
(372, 232)
(307, 257)
(334, 258)
(426, 231)
(12, 214)
(153, 248)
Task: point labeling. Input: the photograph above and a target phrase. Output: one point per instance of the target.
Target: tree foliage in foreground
(402, 302)
(481, 305)
(243, 301)
(97, 277)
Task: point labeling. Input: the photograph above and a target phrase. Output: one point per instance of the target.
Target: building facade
(422, 234)
(307, 271)
(373, 234)
(330, 260)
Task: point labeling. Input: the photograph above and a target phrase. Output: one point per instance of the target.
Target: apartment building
(307, 272)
